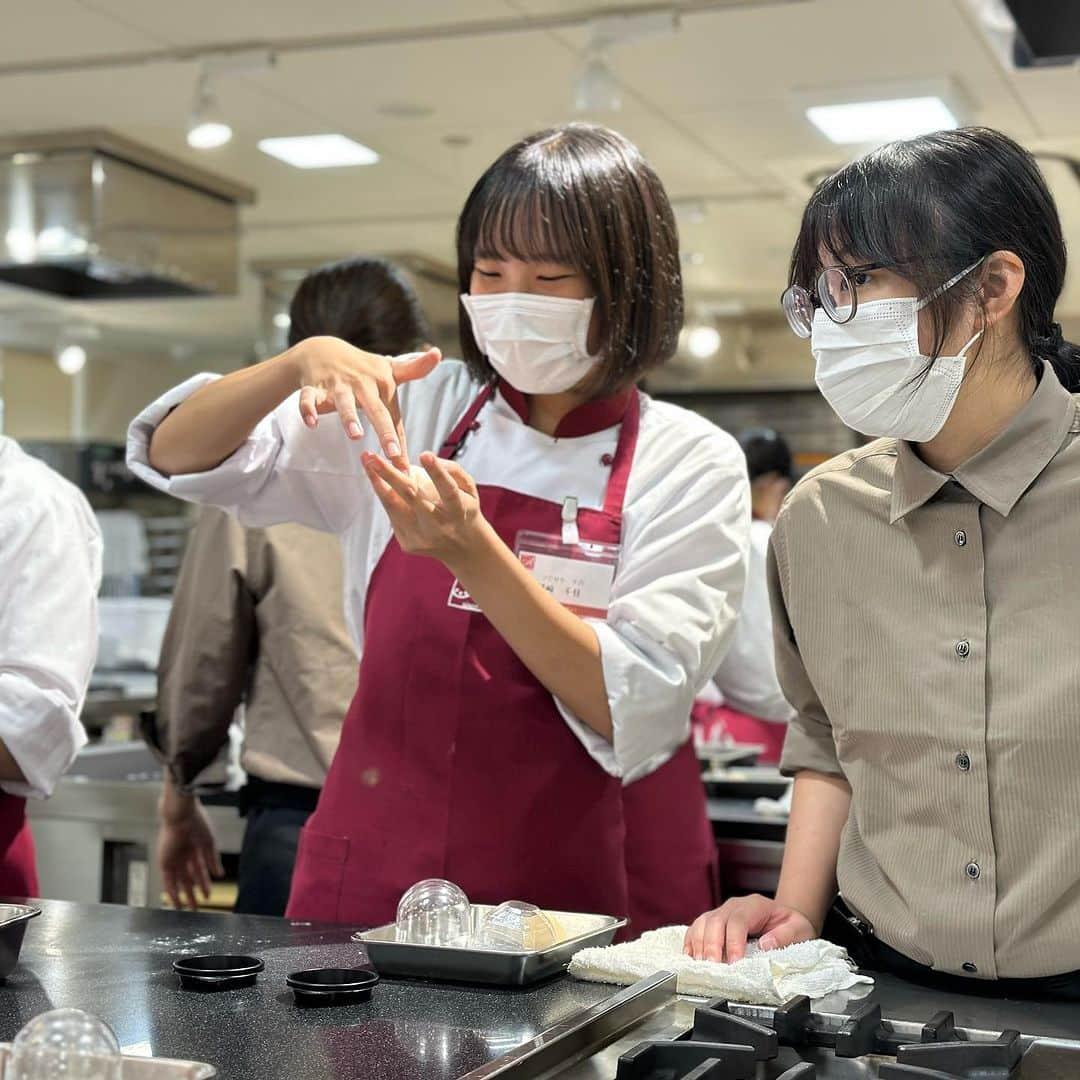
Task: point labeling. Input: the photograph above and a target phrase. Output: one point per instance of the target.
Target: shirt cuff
(809, 749)
(212, 486)
(42, 732)
(643, 739)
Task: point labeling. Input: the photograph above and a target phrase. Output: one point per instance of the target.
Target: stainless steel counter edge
(583, 1033)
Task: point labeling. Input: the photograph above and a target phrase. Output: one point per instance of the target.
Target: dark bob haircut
(929, 208)
(767, 453)
(366, 302)
(583, 195)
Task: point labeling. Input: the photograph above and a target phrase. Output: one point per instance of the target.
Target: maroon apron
(454, 760)
(671, 862)
(18, 866)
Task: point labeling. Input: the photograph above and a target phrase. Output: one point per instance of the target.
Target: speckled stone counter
(116, 962)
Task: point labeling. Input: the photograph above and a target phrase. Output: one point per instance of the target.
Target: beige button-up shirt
(258, 619)
(928, 634)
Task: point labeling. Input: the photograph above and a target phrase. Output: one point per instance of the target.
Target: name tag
(579, 575)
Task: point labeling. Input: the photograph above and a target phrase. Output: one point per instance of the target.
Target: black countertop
(116, 963)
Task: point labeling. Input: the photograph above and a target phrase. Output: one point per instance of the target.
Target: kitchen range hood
(90, 215)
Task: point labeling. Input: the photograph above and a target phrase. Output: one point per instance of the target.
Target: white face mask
(870, 370)
(538, 344)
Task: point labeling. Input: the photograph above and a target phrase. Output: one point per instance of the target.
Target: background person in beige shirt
(925, 586)
(258, 619)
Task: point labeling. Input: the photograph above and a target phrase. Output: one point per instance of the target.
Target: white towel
(813, 968)
(779, 807)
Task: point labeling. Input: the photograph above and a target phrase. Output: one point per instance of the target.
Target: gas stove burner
(688, 1060)
(726, 1046)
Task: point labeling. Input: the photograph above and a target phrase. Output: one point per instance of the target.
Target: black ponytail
(1063, 356)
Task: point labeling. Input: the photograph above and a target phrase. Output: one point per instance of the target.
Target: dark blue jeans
(267, 857)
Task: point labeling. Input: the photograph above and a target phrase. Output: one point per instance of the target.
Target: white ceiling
(714, 106)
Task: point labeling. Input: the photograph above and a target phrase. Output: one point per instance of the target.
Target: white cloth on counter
(686, 518)
(780, 807)
(813, 968)
(50, 572)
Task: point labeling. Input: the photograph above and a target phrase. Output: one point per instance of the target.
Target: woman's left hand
(438, 517)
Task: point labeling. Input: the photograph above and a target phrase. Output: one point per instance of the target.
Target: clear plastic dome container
(434, 912)
(519, 927)
(66, 1044)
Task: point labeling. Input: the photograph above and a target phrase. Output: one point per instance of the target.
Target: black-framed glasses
(836, 292)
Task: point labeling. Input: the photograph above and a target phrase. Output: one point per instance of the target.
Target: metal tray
(13, 920)
(140, 1068)
(752, 782)
(492, 967)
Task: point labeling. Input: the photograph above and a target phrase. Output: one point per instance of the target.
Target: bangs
(528, 225)
(582, 196)
(871, 212)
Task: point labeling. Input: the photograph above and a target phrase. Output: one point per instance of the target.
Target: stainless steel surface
(720, 755)
(550, 1053)
(745, 782)
(89, 215)
(489, 966)
(750, 866)
(135, 1068)
(13, 920)
(1046, 1058)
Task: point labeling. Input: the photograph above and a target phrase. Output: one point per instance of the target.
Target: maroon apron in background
(713, 722)
(671, 858)
(18, 867)
(456, 763)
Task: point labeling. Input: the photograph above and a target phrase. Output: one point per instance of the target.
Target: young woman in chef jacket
(538, 601)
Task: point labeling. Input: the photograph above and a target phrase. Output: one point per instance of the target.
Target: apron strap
(624, 458)
(454, 441)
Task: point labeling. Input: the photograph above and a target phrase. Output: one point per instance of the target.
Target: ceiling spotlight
(72, 347)
(71, 359)
(207, 129)
(597, 88)
(703, 341)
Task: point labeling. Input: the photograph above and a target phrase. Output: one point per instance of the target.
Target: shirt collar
(1004, 469)
(597, 415)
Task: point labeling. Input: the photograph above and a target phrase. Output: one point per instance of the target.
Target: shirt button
(970, 968)
(972, 870)
(963, 649)
(963, 762)
(960, 538)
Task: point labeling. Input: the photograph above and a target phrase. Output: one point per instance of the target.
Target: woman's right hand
(721, 935)
(336, 377)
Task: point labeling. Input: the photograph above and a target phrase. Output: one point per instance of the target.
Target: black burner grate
(726, 1046)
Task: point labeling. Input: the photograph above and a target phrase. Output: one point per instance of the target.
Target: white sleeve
(675, 598)
(747, 674)
(284, 471)
(50, 572)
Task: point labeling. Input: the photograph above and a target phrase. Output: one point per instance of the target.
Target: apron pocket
(320, 869)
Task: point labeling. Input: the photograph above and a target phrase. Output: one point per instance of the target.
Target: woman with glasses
(925, 586)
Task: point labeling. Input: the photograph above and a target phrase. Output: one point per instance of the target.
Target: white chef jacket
(50, 573)
(746, 677)
(686, 518)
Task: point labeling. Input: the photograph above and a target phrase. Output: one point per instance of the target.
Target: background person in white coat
(50, 573)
